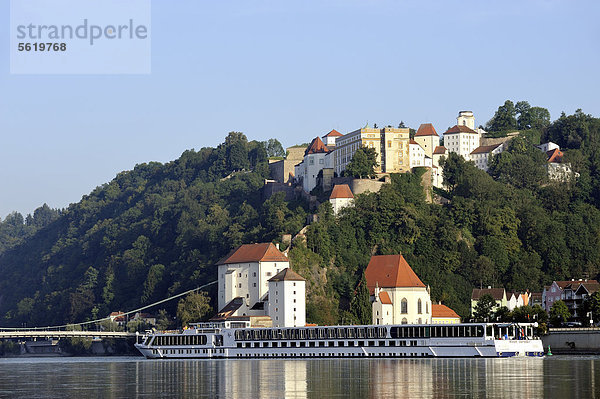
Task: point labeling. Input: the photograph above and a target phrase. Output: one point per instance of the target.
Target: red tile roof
(443, 311)
(333, 133)
(316, 146)
(426, 129)
(440, 149)
(287, 274)
(413, 142)
(460, 129)
(341, 191)
(265, 252)
(555, 155)
(483, 149)
(389, 271)
(385, 298)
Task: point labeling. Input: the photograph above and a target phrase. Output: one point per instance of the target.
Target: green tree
(483, 310)
(502, 314)
(363, 163)
(559, 313)
(360, 305)
(164, 321)
(193, 308)
(274, 148)
(504, 119)
(523, 314)
(593, 305)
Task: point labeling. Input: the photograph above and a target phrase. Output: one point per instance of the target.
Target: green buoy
(549, 353)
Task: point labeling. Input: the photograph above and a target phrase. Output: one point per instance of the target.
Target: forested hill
(150, 232)
(158, 230)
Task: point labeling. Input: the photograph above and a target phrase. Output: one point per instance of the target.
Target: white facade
(466, 118)
(481, 156)
(248, 281)
(461, 142)
(416, 155)
(287, 303)
(312, 165)
(340, 203)
(549, 146)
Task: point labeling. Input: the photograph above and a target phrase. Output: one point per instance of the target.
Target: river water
(134, 377)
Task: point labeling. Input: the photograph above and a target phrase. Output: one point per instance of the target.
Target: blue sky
(291, 71)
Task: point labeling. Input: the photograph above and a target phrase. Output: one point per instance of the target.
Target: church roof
(264, 252)
(460, 129)
(317, 146)
(333, 133)
(287, 274)
(443, 311)
(385, 298)
(390, 271)
(426, 129)
(341, 191)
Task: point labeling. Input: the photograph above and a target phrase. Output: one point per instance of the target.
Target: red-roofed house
(244, 273)
(462, 138)
(442, 314)
(557, 169)
(331, 137)
(316, 158)
(482, 154)
(341, 197)
(417, 155)
(427, 138)
(405, 298)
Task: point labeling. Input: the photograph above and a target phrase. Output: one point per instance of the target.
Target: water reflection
(277, 378)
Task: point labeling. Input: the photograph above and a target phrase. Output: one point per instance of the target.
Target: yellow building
(391, 145)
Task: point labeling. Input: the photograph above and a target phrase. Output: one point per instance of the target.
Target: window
(254, 274)
(404, 306)
(419, 307)
(311, 162)
(254, 284)
(321, 161)
(389, 144)
(404, 321)
(240, 285)
(268, 273)
(427, 307)
(239, 274)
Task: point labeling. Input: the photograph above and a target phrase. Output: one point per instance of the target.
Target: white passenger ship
(236, 339)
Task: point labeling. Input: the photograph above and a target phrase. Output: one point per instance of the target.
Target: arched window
(420, 321)
(404, 306)
(419, 306)
(427, 307)
(404, 321)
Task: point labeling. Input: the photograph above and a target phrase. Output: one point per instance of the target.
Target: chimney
(277, 245)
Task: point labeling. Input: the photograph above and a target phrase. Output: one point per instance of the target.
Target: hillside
(158, 230)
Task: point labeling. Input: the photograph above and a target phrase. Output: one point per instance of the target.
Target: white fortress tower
(287, 299)
(466, 118)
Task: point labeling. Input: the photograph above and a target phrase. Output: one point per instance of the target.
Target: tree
(504, 119)
(360, 305)
(274, 148)
(163, 321)
(593, 305)
(363, 163)
(559, 313)
(193, 308)
(502, 314)
(523, 314)
(484, 308)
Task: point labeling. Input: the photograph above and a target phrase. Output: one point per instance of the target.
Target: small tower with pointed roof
(427, 138)
(341, 197)
(287, 299)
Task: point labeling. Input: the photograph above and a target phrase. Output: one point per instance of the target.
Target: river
(134, 377)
